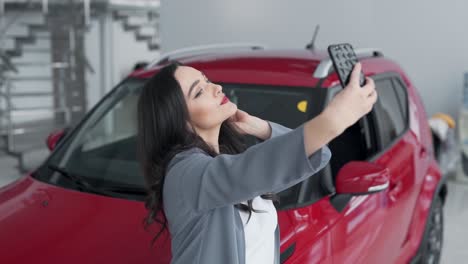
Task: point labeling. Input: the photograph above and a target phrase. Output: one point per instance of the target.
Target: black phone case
(344, 58)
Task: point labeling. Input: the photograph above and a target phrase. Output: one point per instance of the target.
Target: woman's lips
(225, 100)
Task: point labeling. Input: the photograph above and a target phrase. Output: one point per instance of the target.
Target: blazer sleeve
(205, 182)
(277, 129)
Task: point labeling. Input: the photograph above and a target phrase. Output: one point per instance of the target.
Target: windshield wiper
(79, 181)
(133, 190)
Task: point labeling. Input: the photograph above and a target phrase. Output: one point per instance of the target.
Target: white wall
(122, 51)
(128, 51)
(427, 38)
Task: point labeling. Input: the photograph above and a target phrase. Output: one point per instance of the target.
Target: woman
(212, 193)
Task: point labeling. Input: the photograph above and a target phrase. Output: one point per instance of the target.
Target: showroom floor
(456, 213)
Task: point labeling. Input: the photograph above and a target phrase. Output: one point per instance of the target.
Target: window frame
(383, 149)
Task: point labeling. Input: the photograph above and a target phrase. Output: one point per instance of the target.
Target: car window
(117, 124)
(401, 92)
(103, 149)
(356, 143)
(287, 106)
(389, 116)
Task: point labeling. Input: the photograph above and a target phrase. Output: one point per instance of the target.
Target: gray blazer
(200, 192)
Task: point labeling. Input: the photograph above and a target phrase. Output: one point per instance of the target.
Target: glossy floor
(455, 248)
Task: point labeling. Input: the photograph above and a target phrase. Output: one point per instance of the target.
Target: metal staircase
(144, 24)
(41, 90)
(42, 63)
(23, 117)
(31, 107)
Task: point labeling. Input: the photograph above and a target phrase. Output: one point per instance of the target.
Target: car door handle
(395, 189)
(423, 152)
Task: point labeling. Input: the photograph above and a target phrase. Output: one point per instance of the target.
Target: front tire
(433, 241)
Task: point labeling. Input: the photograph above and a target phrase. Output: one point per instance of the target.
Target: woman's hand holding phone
(353, 102)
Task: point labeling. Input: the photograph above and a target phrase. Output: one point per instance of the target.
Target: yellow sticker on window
(302, 106)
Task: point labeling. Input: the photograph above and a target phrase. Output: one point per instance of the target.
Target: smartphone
(344, 58)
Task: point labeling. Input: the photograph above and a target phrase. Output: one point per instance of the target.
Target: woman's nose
(218, 89)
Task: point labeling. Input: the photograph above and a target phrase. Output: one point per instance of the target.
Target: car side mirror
(54, 138)
(360, 178)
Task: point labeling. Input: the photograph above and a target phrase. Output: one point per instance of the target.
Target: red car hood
(43, 223)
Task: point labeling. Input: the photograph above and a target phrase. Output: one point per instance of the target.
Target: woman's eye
(199, 93)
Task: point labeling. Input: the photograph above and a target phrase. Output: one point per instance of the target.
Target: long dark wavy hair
(163, 132)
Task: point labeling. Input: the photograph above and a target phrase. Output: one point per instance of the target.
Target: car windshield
(102, 150)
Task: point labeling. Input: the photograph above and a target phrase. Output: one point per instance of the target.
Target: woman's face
(206, 102)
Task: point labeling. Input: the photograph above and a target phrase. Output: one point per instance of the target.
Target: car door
(373, 228)
(310, 213)
(303, 225)
(355, 223)
(401, 154)
(398, 154)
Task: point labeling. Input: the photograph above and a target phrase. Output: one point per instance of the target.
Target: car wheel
(432, 244)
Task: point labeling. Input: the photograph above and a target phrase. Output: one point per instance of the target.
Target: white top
(259, 232)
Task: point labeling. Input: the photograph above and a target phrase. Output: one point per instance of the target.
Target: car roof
(292, 67)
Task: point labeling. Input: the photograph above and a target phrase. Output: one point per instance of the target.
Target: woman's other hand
(251, 125)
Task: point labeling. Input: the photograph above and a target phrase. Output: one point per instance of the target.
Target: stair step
(43, 57)
(38, 27)
(23, 131)
(154, 46)
(26, 94)
(21, 117)
(32, 90)
(16, 30)
(30, 125)
(119, 15)
(136, 21)
(36, 50)
(31, 86)
(142, 11)
(13, 53)
(19, 103)
(35, 108)
(32, 78)
(40, 43)
(8, 44)
(28, 17)
(45, 37)
(33, 64)
(148, 31)
(25, 39)
(155, 41)
(30, 140)
(143, 38)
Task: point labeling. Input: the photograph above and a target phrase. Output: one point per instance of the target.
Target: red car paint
(44, 223)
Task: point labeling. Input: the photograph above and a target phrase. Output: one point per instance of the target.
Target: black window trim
(383, 149)
(398, 80)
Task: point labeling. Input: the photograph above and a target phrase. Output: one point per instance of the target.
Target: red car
(379, 200)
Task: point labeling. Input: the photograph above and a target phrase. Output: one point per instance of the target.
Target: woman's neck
(211, 137)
